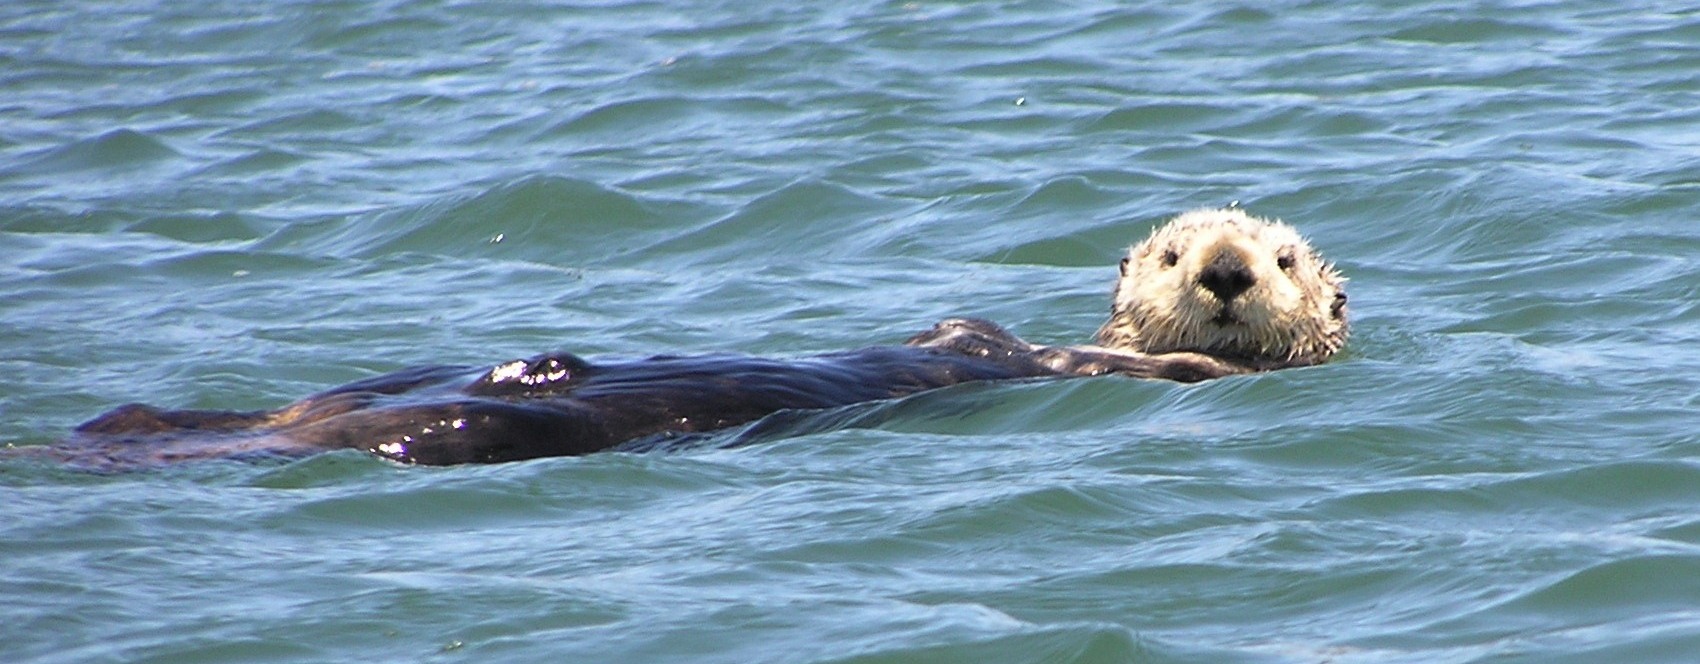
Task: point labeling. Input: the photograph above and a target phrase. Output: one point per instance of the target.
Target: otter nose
(1226, 276)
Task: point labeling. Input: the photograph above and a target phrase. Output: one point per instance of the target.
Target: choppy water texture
(230, 205)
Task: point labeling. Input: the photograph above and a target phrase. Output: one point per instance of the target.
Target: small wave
(1077, 642)
(795, 222)
(116, 149)
(1446, 30)
(648, 116)
(1167, 116)
(548, 219)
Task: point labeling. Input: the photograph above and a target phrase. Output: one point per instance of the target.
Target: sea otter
(1212, 293)
(1232, 286)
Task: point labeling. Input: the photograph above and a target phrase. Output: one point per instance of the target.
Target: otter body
(1213, 293)
(561, 405)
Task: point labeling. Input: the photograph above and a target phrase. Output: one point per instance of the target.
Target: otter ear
(1125, 261)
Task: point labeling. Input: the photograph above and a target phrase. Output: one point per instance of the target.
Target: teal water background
(231, 205)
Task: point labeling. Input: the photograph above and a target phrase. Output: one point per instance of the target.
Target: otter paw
(970, 336)
(544, 373)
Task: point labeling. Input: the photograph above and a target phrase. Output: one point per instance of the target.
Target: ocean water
(231, 205)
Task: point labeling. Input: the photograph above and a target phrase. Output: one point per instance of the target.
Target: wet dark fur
(560, 404)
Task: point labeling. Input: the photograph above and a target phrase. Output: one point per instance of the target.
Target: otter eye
(1170, 258)
(1124, 265)
(1285, 261)
(1339, 304)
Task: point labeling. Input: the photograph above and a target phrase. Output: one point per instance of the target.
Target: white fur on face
(1292, 311)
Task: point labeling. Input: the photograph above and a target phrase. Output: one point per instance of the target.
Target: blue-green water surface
(233, 204)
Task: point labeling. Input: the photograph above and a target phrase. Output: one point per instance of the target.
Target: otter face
(1224, 283)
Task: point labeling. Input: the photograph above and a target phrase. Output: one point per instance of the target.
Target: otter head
(1227, 284)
